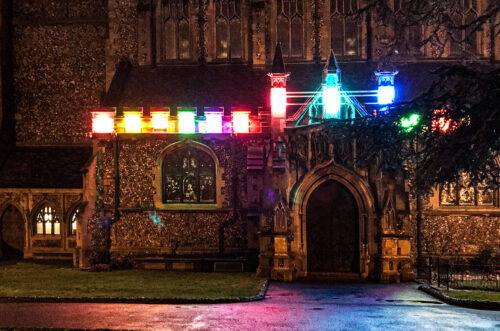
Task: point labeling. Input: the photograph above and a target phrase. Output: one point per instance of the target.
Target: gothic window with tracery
(174, 30)
(228, 29)
(188, 176)
(344, 27)
(469, 11)
(290, 27)
(47, 221)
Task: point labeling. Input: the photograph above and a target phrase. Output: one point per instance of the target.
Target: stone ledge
(259, 297)
(474, 304)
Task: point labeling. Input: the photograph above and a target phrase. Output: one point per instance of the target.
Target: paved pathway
(295, 306)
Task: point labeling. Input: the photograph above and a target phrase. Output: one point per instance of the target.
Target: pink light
(103, 122)
(241, 123)
(278, 101)
(213, 122)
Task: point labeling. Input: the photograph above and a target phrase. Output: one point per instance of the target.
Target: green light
(408, 123)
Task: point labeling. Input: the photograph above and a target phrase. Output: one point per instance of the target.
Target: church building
(189, 135)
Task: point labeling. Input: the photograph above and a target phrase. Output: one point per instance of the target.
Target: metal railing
(459, 274)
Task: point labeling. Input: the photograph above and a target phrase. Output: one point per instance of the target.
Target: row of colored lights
(161, 121)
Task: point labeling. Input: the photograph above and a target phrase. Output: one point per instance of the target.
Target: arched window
(174, 30)
(465, 39)
(290, 27)
(47, 222)
(73, 221)
(228, 29)
(344, 27)
(188, 175)
(409, 37)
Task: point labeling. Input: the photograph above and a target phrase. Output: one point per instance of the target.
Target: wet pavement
(295, 306)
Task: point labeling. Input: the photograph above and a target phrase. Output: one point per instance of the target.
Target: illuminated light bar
(159, 120)
(186, 120)
(278, 101)
(132, 122)
(241, 122)
(331, 102)
(213, 122)
(386, 95)
(386, 91)
(103, 121)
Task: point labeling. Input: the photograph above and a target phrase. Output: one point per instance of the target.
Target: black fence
(459, 274)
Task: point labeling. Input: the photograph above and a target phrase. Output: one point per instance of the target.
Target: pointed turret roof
(332, 65)
(278, 63)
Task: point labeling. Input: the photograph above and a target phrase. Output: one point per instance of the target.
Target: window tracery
(469, 11)
(463, 194)
(175, 41)
(188, 176)
(73, 222)
(47, 221)
(290, 27)
(228, 29)
(344, 27)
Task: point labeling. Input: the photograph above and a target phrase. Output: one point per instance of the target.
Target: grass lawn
(474, 295)
(56, 280)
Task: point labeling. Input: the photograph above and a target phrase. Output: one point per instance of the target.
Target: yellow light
(160, 122)
(240, 122)
(132, 123)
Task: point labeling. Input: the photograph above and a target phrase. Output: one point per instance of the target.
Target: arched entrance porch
(338, 199)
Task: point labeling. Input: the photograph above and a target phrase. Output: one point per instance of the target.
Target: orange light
(132, 123)
(241, 123)
(103, 122)
(159, 121)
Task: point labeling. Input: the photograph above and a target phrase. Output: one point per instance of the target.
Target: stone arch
(13, 232)
(158, 182)
(362, 195)
(69, 213)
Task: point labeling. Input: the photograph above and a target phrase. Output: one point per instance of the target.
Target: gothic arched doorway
(332, 229)
(12, 233)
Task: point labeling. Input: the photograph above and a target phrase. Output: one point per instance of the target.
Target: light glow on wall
(132, 123)
(241, 121)
(278, 101)
(186, 121)
(103, 122)
(213, 122)
(331, 102)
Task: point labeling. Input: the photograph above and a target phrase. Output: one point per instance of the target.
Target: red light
(103, 122)
(440, 122)
(278, 101)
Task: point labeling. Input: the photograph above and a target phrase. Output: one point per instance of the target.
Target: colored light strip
(386, 94)
(103, 122)
(133, 123)
(331, 102)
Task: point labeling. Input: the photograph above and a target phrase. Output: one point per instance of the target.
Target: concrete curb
(171, 301)
(474, 304)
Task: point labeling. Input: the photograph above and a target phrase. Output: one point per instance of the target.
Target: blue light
(386, 94)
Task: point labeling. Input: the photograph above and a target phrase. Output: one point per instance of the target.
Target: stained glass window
(228, 29)
(344, 27)
(188, 176)
(290, 27)
(174, 30)
(47, 221)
